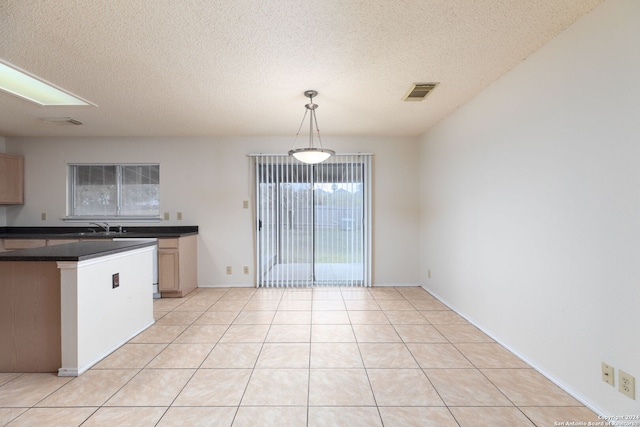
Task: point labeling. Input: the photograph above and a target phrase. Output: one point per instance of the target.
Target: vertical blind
(313, 221)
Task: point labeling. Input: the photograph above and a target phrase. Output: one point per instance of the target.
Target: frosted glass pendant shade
(312, 155)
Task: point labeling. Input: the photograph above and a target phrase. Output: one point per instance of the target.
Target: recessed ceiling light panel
(20, 83)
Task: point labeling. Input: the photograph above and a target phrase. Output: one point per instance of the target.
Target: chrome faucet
(105, 227)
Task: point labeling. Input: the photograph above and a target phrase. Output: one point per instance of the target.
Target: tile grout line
(455, 345)
(366, 372)
(194, 371)
(246, 387)
(427, 376)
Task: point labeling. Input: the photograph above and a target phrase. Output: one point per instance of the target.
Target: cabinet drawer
(167, 243)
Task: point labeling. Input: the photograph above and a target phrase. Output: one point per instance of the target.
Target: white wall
(208, 178)
(530, 206)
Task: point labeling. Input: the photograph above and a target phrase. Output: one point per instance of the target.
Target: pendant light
(310, 154)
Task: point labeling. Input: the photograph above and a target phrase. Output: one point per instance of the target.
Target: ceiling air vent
(62, 121)
(419, 91)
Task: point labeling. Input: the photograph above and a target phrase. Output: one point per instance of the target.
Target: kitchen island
(66, 307)
(176, 273)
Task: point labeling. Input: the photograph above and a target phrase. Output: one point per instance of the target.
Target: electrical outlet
(429, 273)
(179, 216)
(245, 204)
(166, 216)
(245, 269)
(607, 374)
(43, 216)
(228, 269)
(115, 280)
(626, 384)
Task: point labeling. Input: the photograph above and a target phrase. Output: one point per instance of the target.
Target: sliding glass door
(313, 221)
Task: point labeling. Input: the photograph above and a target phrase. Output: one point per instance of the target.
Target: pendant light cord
(298, 133)
(312, 119)
(313, 115)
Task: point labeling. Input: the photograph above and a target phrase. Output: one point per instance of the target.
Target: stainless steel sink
(102, 233)
(95, 234)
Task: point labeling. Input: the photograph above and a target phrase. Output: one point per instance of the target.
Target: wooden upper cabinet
(11, 180)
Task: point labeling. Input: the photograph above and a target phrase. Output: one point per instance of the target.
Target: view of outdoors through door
(312, 222)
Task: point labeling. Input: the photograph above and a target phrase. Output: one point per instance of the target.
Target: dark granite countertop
(96, 233)
(72, 251)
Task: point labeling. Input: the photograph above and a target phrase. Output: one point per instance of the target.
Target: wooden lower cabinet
(30, 337)
(168, 270)
(177, 266)
(11, 244)
(54, 242)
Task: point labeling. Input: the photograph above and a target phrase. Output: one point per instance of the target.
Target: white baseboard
(381, 285)
(235, 285)
(74, 372)
(251, 285)
(579, 397)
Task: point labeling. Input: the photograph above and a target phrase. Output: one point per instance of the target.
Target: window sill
(112, 218)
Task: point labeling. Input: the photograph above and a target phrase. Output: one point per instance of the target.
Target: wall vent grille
(62, 121)
(419, 91)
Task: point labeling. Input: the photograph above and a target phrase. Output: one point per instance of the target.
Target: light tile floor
(297, 357)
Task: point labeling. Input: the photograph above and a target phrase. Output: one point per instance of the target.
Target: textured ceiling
(240, 67)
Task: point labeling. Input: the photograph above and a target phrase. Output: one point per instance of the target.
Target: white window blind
(313, 221)
(114, 191)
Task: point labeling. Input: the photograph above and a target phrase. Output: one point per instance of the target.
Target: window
(114, 191)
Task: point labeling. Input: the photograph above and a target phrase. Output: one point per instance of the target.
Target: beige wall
(531, 210)
(3, 209)
(208, 178)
